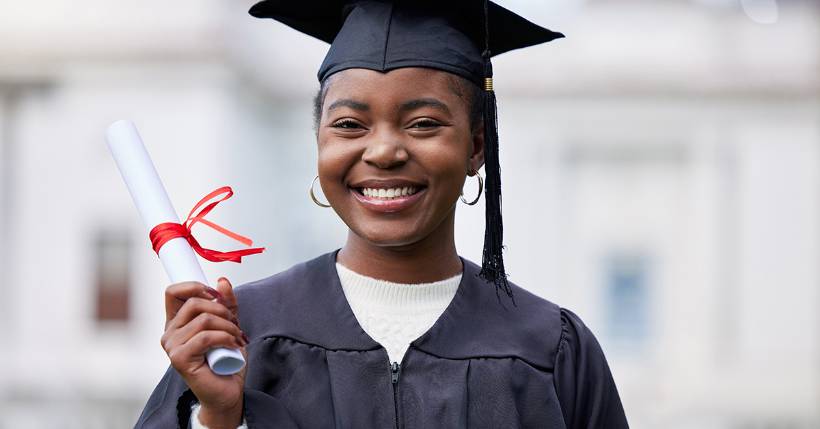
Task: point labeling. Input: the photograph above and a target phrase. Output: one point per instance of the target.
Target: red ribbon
(165, 232)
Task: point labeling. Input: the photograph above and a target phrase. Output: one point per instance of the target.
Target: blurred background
(661, 171)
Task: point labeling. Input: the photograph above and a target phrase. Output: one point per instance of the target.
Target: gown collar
(476, 324)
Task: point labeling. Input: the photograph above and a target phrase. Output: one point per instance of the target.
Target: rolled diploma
(155, 207)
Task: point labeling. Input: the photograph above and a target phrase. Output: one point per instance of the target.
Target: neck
(430, 259)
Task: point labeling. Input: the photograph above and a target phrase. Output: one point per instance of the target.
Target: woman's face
(394, 150)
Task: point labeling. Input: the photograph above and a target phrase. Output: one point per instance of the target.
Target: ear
(477, 148)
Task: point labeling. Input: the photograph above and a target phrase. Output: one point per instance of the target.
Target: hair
(462, 87)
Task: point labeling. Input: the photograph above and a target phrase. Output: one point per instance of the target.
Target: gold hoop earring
(480, 190)
(313, 196)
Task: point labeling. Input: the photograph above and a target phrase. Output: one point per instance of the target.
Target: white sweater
(393, 314)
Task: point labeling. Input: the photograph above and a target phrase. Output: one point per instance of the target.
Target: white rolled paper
(154, 206)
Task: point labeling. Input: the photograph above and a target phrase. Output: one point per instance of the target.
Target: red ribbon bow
(165, 232)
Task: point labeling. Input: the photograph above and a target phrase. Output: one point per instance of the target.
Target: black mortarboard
(457, 36)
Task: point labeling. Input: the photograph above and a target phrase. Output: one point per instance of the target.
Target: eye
(346, 124)
(425, 124)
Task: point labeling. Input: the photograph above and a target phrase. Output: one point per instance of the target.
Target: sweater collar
(362, 291)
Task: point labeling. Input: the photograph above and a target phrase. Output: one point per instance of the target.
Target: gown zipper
(395, 370)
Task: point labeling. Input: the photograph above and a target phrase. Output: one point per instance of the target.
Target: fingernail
(213, 292)
(235, 321)
(245, 337)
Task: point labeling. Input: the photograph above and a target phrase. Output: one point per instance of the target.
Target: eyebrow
(423, 102)
(405, 107)
(346, 102)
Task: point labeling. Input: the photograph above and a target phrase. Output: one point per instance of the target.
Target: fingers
(195, 306)
(202, 322)
(194, 349)
(177, 294)
(225, 288)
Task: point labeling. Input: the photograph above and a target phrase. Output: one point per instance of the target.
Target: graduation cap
(457, 36)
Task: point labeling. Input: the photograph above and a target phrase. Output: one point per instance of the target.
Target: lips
(387, 196)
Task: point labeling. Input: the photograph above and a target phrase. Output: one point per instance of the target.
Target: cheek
(335, 159)
(448, 169)
(448, 159)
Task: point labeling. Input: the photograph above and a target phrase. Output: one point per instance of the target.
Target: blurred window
(627, 299)
(112, 256)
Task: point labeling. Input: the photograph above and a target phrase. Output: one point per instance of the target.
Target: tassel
(492, 264)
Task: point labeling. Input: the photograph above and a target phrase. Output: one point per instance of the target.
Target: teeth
(388, 194)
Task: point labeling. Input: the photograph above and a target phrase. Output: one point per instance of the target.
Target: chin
(387, 236)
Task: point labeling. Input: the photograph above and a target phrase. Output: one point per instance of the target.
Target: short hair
(463, 88)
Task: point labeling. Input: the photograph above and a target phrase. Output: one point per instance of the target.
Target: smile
(387, 197)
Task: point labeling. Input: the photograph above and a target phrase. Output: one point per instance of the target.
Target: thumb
(224, 287)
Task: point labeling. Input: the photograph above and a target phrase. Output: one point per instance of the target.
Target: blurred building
(661, 178)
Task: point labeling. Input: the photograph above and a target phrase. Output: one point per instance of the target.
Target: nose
(385, 150)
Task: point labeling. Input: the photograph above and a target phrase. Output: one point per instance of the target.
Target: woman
(393, 329)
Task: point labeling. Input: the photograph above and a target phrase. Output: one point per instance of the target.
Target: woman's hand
(194, 324)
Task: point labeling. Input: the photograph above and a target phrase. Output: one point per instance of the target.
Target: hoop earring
(480, 190)
(313, 196)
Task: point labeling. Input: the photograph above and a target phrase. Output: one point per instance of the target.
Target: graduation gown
(483, 364)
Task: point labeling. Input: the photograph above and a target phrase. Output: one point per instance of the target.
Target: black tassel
(492, 263)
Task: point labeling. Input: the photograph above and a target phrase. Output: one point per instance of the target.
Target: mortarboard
(457, 36)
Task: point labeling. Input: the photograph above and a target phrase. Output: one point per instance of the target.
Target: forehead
(403, 83)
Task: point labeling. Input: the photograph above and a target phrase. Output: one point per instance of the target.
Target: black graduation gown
(481, 365)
